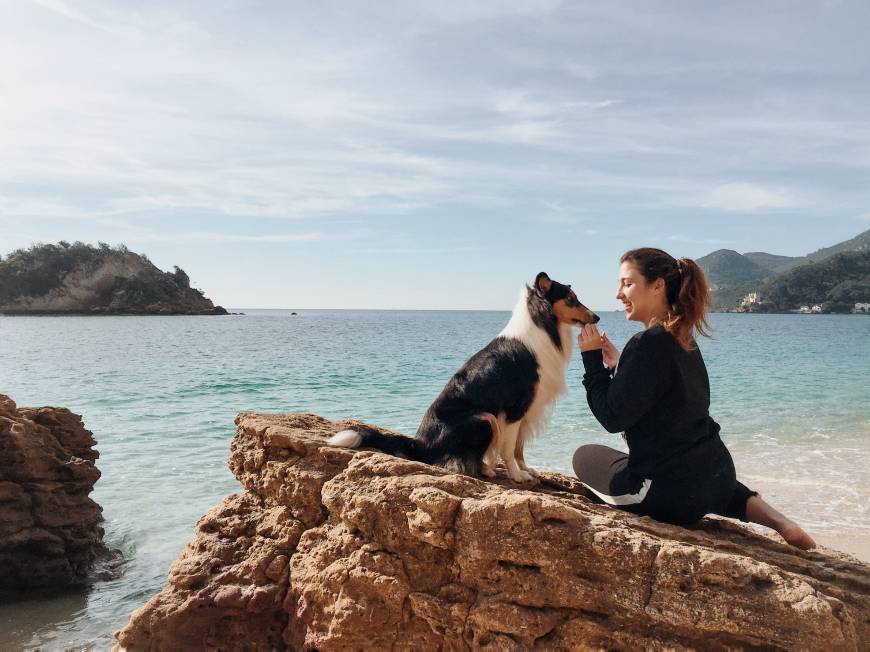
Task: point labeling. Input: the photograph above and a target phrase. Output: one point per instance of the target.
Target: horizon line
(403, 309)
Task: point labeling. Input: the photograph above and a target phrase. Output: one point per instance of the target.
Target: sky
(432, 155)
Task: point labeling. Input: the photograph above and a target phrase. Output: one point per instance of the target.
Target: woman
(657, 392)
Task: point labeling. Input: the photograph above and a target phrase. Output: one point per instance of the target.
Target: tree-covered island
(83, 279)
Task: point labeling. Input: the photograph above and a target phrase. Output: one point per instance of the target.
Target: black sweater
(660, 397)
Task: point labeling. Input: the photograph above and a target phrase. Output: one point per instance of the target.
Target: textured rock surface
(50, 534)
(80, 279)
(335, 549)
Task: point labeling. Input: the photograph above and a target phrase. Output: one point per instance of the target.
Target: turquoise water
(792, 393)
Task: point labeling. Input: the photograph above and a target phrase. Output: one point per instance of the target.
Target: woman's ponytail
(688, 293)
(690, 305)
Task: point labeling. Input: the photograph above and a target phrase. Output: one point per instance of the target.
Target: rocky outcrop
(333, 549)
(50, 534)
(80, 279)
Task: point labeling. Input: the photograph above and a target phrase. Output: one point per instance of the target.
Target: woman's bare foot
(758, 511)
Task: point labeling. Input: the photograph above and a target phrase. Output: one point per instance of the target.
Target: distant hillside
(837, 283)
(860, 242)
(82, 279)
(774, 263)
(726, 268)
(733, 275)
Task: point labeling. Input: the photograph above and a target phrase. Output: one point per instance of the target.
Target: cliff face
(336, 549)
(50, 535)
(79, 279)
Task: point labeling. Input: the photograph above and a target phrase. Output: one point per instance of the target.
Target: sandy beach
(857, 545)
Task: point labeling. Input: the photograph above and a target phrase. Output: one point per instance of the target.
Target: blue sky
(431, 154)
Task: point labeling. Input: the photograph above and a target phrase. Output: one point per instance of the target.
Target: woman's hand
(589, 339)
(610, 352)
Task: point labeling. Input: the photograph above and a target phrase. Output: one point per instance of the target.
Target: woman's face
(642, 300)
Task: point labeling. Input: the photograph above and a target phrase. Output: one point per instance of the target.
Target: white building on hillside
(753, 298)
(862, 307)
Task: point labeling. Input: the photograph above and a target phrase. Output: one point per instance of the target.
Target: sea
(791, 392)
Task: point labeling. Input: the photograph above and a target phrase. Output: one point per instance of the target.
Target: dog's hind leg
(508, 451)
(464, 443)
(490, 457)
(487, 464)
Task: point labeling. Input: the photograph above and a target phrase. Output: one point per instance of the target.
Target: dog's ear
(543, 284)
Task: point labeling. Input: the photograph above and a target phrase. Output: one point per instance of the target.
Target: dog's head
(566, 307)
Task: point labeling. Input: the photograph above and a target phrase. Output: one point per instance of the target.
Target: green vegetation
(836, 283)
(103, 279)
(860, 242)
(774, 263)
(727, 268)
(786, 282)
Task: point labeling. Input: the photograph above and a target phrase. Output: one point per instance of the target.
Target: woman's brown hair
(688, 293)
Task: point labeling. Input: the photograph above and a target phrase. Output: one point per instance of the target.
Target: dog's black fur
(501, 378)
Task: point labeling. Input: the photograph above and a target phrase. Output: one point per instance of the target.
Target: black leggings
(712, 489)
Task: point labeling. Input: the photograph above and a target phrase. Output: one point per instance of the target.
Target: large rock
(50, 534)
(80, 279)
(333, 549)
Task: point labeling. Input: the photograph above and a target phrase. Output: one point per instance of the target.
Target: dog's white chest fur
(552, 364)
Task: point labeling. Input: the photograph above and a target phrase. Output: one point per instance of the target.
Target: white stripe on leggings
(624, 499)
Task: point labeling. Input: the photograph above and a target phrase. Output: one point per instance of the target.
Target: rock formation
(333, 549)
(50, 534)
(81, 279)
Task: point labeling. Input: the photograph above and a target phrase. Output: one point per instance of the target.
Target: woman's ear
(659, 284)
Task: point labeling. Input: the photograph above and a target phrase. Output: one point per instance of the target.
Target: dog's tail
(364, 437)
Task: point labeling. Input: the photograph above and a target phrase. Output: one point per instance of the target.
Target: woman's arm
(644, 375)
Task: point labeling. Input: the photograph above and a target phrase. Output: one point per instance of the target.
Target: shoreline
(783, 312)
(98, 313)
(857, 545)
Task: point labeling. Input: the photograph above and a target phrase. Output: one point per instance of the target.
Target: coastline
(857, 545)
(216, 311)
(724, 311)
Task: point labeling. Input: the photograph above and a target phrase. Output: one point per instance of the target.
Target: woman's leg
(604, 471)
(748, 506)
(759, 511)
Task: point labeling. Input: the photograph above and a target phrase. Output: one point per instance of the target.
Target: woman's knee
(593, 456)
(581, 458)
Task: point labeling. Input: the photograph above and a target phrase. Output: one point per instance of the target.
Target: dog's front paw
(487, 471)
(521, 476)
(530, 471)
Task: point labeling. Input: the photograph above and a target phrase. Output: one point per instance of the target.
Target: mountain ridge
(733, 275)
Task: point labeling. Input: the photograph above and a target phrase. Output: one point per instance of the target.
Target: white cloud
(749, 198)
(688, 239)
(64, 9)
(524, 104)
(210, 236)
(269, 115)
(463, 11)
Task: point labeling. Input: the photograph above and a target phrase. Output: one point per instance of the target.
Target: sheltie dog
(501, 397)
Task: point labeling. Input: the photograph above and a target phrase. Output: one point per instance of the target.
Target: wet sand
(857, 545)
